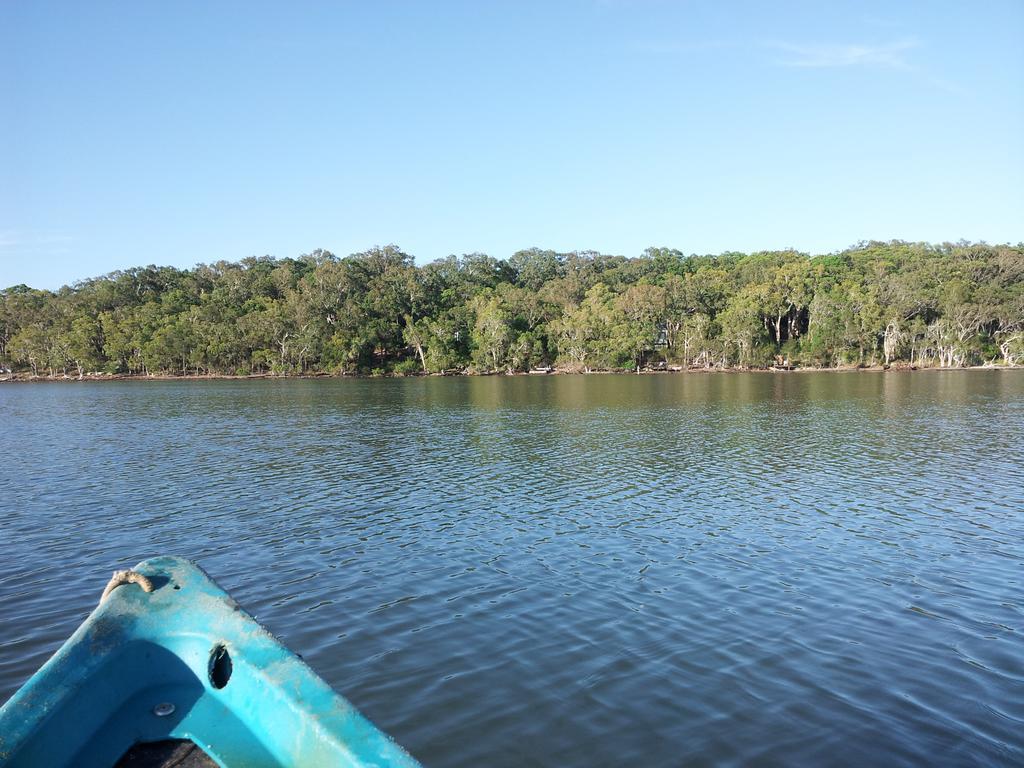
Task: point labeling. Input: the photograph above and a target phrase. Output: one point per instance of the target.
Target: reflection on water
(571, 571)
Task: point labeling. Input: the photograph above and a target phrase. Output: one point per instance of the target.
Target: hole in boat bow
(220, 666)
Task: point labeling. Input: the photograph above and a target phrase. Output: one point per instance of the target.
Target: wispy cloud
(890, 56)
(831, 55)
(15, 242)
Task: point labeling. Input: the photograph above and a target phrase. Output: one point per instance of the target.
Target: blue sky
(174, 133)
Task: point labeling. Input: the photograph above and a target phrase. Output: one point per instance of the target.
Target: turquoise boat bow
(182, 670)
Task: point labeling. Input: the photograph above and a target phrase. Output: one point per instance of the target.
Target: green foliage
(408, 367)
(377, 312)
(744, 326)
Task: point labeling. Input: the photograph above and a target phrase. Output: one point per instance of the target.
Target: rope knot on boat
(126, 577)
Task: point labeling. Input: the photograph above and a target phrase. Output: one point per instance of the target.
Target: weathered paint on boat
(138, 652)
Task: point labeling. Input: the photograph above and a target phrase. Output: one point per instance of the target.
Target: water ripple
(705, 570)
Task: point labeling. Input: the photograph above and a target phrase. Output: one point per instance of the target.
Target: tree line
(877, 303)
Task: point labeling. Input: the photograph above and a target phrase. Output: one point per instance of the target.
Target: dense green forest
(876, 303)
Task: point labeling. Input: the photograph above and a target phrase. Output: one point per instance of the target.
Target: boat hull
(183, 662)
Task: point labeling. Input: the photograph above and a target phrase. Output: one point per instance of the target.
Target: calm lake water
(567, 571)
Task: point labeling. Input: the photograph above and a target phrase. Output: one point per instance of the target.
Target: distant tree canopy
(946, 305)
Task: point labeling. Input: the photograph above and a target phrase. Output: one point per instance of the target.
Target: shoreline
(26, 378)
